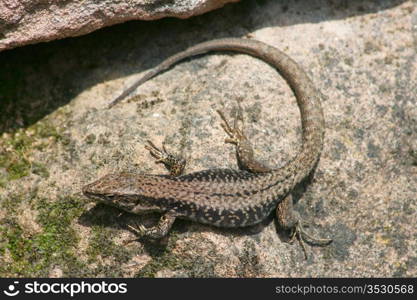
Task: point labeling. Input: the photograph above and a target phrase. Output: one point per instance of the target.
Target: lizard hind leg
(244, 150)
(289, 219)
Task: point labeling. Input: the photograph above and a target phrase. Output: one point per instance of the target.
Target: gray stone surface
(58, 136)
(24, 22)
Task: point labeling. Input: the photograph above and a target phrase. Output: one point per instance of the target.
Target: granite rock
(24, 22)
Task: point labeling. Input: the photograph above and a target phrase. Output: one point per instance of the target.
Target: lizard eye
(110, 197)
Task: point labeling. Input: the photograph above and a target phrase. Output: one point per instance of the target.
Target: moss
(11, 203)
(19, 248)
(33, 254)
(101, 245)
(58, 215)
(17, 168)
(40, 169)
(46, 129)
(12, 155)
(3, 180)
(16, 149)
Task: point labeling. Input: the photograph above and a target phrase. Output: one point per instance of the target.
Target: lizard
(223, 197)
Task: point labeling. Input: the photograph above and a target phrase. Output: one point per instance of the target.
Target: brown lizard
(224, 197)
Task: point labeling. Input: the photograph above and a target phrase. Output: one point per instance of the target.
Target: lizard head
(124, 191)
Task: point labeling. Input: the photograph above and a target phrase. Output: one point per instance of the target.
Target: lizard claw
(302, 236)
(235, 134)
(174, 164)
(142, 229)
(139, 229)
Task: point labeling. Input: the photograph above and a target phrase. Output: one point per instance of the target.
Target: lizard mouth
(91, 195)
(89, 192)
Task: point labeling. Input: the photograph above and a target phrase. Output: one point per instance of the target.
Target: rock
(57, 135)
(24, 22)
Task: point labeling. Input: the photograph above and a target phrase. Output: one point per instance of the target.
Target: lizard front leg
(158, 231)
(175, 166)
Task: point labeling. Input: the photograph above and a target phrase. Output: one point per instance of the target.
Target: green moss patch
(33, 254)
(16, 150)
